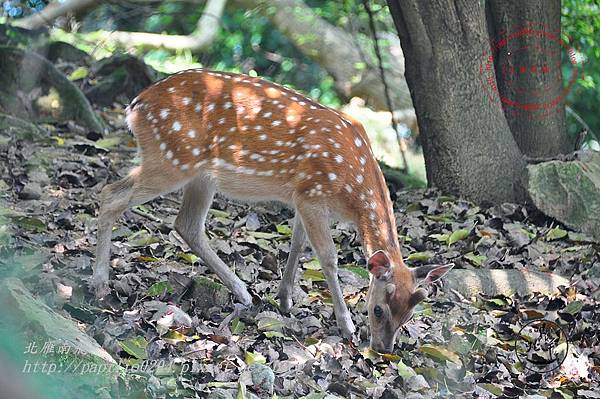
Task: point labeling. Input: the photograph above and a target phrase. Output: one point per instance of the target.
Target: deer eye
(378, 311)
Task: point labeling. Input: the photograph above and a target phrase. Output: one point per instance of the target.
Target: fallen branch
(470, 283)
(199, 40)
(53, 11)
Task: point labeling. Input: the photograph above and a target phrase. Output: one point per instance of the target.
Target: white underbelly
(253, 188)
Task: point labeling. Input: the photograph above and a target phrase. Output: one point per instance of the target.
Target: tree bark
(525, 39)
(468, 147)
(53, 11)
(336, 51)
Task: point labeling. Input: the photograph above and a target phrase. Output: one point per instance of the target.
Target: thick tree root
(23, 73)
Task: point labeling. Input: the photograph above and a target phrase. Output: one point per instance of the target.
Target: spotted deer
(254, 140)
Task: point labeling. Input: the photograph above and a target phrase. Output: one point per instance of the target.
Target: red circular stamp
(527, 62)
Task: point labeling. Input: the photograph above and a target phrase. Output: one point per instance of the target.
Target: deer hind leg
(138, 187)
(316, 223)
(197, 198)
(286, 287)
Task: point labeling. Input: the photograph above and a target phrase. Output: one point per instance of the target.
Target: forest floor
(454, 346)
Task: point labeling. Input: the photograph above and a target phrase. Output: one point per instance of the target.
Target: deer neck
(379, 232)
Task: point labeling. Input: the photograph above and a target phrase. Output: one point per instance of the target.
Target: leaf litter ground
(193, 341)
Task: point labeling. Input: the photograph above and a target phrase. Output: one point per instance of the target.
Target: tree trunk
(526, 50)
(468, 147)
(336, 50)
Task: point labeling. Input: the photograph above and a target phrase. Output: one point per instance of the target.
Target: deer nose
(380, 347)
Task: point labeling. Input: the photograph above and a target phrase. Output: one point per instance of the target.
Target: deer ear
(429, 273)
(379, 265)
(417, 297)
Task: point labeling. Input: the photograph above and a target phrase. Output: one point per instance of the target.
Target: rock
(263, 378)
(209, 293)
(121, 77)
(54, 347)
(569, 191)
(31, 191)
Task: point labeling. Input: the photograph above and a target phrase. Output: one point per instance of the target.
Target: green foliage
(580, 29)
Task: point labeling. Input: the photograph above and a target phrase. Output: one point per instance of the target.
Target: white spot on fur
(358, 142)
(186, 100)
(360, 179)
(164, 113)
(339, 158)
(332, 176)
(176, 126)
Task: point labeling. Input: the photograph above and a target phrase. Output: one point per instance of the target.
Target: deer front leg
(315, 218)
(197, 198)
(286, 287)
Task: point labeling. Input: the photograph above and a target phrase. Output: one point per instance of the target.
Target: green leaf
(491, 388)
(555, 234)
(458, 235)
(160, 288)
(254, 357)
(142, 238)
(241, 393)
(573, 308)
(237, 326)
(135, 346)
(30, 223)
(361, 271)
(271, 334)
(312, 265)
(405, 371)
(269, 324)
(420, 256)
(108, 142)
(78, 73)
(188, 257)
(313, 275)
(476, 260)
(439, 353)
(284, 229)
(260, 234)
(440, 237)
(174, 337)
(218, 213)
